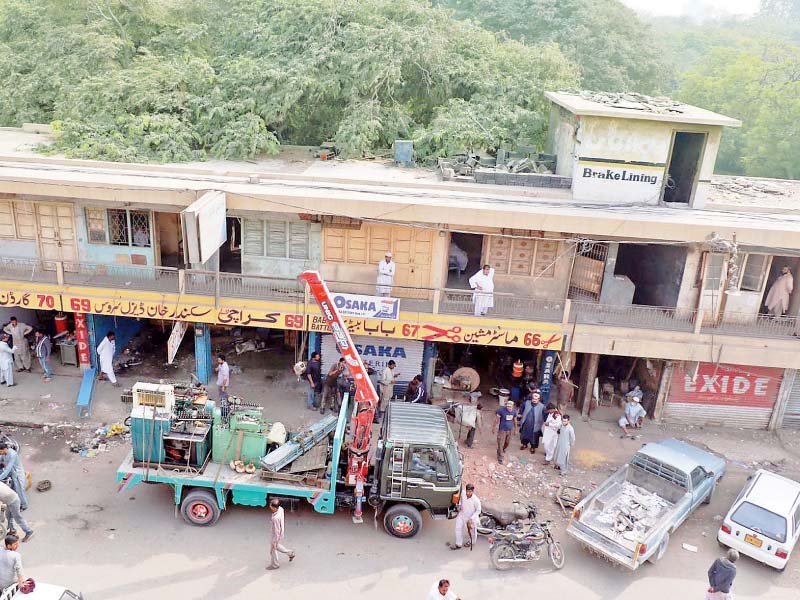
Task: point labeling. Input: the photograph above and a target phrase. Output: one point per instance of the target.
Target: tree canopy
(184, 80)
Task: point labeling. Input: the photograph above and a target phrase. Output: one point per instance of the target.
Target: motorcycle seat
(505, 514)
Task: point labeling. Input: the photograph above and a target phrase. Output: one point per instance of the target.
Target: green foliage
(176, 80)
(756, 83)
(614, 50)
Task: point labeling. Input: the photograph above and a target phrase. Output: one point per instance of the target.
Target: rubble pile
(631, 101)
(100, 440)
(632, 513)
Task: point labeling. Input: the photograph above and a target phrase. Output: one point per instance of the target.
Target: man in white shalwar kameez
(105, 352)
(777, 301)
(483, 284)
(385, 276)
(469, 511)
(7, 351)
(19, 332)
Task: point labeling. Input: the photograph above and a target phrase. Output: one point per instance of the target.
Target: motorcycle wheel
(556, 554)
(486, 524)
(500, 552)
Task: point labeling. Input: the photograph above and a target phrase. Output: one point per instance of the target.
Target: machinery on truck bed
(217, 455)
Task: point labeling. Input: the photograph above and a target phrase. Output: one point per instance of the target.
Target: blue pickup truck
(629, 518)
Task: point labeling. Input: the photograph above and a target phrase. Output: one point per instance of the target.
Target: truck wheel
(402, 520)
(199, 507)
(662, 550)
(707, 499)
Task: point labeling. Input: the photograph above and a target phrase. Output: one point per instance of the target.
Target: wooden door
(713, 285)
(56, 227)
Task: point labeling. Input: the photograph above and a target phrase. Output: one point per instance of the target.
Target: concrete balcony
(580, 326)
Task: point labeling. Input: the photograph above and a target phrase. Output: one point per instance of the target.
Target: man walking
(277, 535)
(10, 563)
(10, 498)
(43, 349)
(441, 591)
(505, 426)
(721, 576)
(314, 378)
(105, 353)
(566, 440)
(223, 375)
(10, 466)
(7, 353)
(18, 332)
(469, 512)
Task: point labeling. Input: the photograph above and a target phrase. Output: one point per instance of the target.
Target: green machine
(241, 435)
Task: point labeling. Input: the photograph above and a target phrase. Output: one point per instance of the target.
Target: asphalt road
(132, 545)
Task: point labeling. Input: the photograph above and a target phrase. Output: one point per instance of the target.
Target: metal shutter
(791, 416)
(377, 352)
(723, 395)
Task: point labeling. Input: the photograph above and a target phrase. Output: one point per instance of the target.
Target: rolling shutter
(723, 395)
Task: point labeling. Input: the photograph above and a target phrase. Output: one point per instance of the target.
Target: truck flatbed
(228, 486)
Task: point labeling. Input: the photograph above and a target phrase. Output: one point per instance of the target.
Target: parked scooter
(508, 548)
(505, 518)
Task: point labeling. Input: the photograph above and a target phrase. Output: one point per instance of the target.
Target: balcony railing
(412, 299)
(634, 315)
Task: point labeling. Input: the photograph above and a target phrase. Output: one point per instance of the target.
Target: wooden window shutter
(253, 242)
(298, 240)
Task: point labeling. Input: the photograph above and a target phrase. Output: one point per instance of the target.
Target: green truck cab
(417, 468)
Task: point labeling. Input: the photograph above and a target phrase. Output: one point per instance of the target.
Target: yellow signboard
(485, 331)
(542, 336)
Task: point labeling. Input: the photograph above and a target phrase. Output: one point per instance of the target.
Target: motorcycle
(507, 548)
(512, 518)
(10, 441)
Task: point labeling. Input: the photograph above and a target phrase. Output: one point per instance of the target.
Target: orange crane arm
(366, 397)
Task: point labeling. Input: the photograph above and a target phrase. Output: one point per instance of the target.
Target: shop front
(723, 395)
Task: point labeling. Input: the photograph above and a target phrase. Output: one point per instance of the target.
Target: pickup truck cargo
(629, 518)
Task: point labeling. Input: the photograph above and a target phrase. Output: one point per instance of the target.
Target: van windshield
(761, 521)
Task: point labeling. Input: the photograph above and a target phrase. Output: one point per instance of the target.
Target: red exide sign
(732, 385)
(82, 340)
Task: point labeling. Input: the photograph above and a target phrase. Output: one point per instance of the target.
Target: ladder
(397, 470)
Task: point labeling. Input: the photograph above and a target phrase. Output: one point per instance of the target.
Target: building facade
(644, 269)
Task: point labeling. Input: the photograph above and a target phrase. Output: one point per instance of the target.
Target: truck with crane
(208, 453)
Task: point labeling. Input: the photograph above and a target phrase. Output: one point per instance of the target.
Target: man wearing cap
(634, 414)
(385, 276)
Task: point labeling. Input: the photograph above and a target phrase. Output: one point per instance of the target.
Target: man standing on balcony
(385, 275)
(483, 284)
(105, 354)
(18, 331)
(777, 301)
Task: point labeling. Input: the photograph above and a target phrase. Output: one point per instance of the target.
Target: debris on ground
(101, 440)
(689, 547)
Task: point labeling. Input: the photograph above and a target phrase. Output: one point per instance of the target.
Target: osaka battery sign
(729, 385)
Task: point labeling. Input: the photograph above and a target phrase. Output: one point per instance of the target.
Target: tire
(556, 554)
(662, 550)
(199, 507)
(707, 499)
(487, 524)
(501, 551)
(402, 521)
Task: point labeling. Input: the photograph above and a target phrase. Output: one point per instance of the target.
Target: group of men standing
(15, 351)
(535, 422)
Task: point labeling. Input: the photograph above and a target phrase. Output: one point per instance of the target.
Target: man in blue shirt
(505, 425)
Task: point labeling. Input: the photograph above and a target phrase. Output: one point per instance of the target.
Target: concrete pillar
(313, 344)
(93, 340)
(787, 383)
(663, 389)
(204, 365)
(588, 374)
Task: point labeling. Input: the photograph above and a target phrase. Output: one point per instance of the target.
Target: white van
(764, 521)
